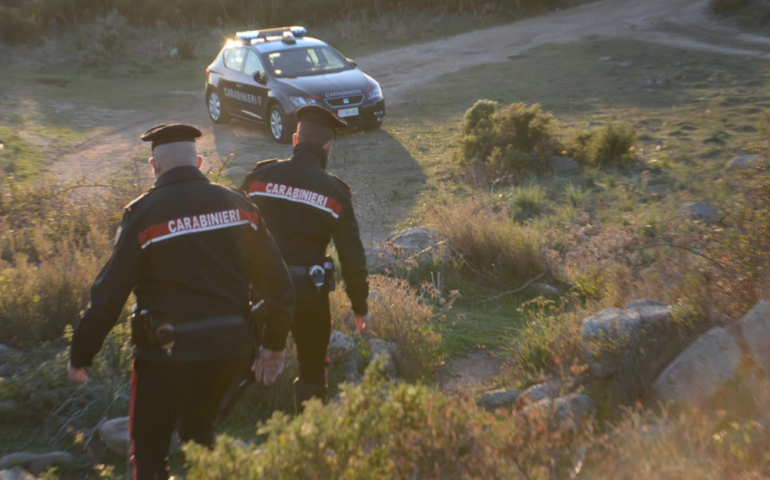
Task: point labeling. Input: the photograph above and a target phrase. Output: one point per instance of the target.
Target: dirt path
(680, 23)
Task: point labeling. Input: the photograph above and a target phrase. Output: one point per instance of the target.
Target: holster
(305, 281)
(147, 333)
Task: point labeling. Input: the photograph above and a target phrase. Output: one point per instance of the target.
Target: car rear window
(300, 62)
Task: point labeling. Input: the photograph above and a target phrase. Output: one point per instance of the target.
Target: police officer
(191, 251)
(306, 207)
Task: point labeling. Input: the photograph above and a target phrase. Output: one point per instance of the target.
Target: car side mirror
(260, 78)
(352, 62)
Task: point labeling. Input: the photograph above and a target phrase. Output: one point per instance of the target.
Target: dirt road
(681, 23)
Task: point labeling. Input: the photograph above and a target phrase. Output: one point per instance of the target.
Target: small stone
(545, 289)
(700, 211)
(114, 434)
(539, 392)
(501, 398)
(605, 59)
(235, 172)
(16, 474)
(341, 347)
(571, 411)
(563, 165)
(626, 64)
(36, 462)
(173, 53)
(747, 161)
(701, 370)
(387, 351)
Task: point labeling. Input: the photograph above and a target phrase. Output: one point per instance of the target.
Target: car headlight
(376, 91)
(302, 101)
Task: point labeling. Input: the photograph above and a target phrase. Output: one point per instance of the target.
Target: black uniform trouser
(311, 330)
(165, 396)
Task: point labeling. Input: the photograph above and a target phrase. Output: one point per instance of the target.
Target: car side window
(254, 65)
(234, 59)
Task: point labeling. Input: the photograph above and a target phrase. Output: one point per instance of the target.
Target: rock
(416, 244)
(755, 328)
(572, 411)
(378, 259)
(7, 353)
(626, 64)
(701, 211)
(605, 59)
(16, 474)
(539, 392)
(235, 172)
(386, 351)
(114, 434)
(563, 165)
(349, 368)
(341, 347)
(639, 334)
(173, 53)
(501, 398)
(747, 161)
(545, 289)
(8, 408)
(36, 462)
(700, 371)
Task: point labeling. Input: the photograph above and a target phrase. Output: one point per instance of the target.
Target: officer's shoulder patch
(265, 163)
(343, 182)
(138, 199)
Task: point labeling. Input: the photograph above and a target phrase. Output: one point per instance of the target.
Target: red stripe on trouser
(131, 451)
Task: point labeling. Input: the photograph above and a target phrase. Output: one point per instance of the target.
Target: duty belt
(320, 274)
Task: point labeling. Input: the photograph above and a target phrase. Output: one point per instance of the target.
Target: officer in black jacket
(191, 251)
(306, 207)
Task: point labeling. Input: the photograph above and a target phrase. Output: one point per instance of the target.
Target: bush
(612, 145)
(15, 26)
(722, 7)
(400, 316)
(510, 140)
(578, 146)
(490, 242)
(383, 430)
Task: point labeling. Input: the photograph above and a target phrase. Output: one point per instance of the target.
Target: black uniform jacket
(306, 207)
(190, 250)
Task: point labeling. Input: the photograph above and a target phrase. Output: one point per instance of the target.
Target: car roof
(279, 46)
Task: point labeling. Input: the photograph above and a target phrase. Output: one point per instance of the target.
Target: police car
(266, 75)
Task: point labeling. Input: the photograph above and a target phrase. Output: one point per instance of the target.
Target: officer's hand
(78, 376)
(268, 366)
(363, 322)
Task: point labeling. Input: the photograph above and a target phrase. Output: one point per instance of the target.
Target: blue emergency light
(252, 35)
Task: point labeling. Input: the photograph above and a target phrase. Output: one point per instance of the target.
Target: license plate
(347, 112)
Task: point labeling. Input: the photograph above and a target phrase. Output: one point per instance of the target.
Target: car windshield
(300, 62)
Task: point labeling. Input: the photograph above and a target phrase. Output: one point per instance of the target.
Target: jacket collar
(310, 153)
(179, 174)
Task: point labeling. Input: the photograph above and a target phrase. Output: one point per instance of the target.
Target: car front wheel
(217, 111)
(280, 127)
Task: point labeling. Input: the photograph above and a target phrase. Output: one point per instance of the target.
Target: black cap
(319, 115)
(176, 132)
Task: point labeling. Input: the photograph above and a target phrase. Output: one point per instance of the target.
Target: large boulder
(36, 462)
(639, 334)
(700, 211)
(741, 162)
(417, 244)
(501, 398)
(570, 411)
(385, 352)
(755, 328)
(701, 370)
(16, 474)
(341, 347)
(539, 392)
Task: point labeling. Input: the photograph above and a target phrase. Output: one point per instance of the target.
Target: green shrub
(612, 145)
(528, 201)
(578, 146)
(186, 49)
(514, 139)
(16, 26)
(575, 195)
(383, 430)
(722, 7)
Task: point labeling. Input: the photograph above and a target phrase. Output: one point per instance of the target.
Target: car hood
(350, 82)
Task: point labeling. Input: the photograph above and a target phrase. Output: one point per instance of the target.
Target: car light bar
(270, 32)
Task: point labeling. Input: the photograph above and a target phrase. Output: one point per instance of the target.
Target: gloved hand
(363, 322)
(78, 376)
(268, 366)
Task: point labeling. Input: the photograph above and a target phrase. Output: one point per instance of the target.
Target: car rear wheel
(280, 127)
(217, 111)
